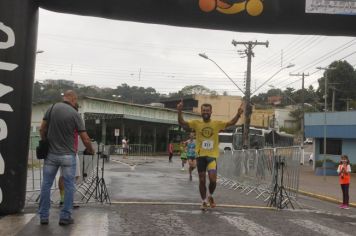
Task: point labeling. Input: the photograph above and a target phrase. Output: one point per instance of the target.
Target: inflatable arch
(18, 34)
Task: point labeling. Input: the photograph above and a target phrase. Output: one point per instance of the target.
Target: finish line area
(157, 198)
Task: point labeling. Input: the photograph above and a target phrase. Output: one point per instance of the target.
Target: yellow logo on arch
(252, 7)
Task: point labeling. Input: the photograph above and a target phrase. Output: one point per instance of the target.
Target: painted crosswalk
(170, 221)
(319, 228)
(248, 226)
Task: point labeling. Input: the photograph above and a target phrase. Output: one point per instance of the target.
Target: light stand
(279, 196)
(95, 183)
(100, 189)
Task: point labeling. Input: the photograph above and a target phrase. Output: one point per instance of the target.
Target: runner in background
(183, 153)
(191, 155)
(125, 147)
(170, 151)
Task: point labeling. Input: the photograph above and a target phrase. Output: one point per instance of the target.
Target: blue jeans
(50, 168)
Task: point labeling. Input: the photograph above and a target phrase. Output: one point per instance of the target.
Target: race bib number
(207, 144)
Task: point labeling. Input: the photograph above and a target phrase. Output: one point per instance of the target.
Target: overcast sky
(108, 53)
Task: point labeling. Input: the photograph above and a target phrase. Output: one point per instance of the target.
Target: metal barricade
(258, 171)
(133, 151)
(35, 166)
(290, 158)
(34, 172)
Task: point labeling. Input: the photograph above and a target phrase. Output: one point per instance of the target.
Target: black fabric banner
(18, 35)
(329, 17)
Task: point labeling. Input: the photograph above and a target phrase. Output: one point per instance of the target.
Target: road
(155, 197)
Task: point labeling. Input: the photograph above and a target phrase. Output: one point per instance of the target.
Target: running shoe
(346, 207)
(204, 206)
(182, 169)
(342, 206)
(211, 202)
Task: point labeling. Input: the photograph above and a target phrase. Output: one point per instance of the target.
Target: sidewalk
(327, 189)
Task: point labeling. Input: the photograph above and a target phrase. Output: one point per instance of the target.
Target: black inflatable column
(18, 36)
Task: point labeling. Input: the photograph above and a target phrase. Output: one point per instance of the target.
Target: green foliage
(193, 89)
(293, 131)
(51, 92)
(341, 77)
(197, 89)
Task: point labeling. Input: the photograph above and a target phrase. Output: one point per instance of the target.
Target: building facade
(339, 128)
(224, 107)
(140, 124)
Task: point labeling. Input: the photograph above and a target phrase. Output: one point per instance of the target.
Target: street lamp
(282, 68)
(325, 107)
(203, 55)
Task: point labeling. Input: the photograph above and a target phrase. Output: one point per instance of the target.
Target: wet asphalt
(154, 197)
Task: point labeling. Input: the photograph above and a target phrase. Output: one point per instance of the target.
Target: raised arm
(237, 116)
(181, 121)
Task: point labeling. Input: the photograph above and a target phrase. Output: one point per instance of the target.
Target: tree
(197, 89)
(52, 92)
(136, 94)
(341, 77)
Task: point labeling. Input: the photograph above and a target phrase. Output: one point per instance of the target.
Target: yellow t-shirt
(207, 136)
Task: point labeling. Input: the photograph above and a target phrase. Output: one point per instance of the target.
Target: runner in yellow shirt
(207, 147)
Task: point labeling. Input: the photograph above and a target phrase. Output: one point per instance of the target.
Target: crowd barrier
(88, 168)
(258, 171)
(133, 151)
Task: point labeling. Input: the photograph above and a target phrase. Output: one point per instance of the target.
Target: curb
(324, 198)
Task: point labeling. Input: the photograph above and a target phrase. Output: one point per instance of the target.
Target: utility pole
(248, 109)
(303, 75)
(333, 100)
(333, 97)
(347, 100)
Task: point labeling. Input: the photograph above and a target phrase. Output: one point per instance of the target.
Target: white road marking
(12, 224)
(91, 224)
(248, 226)
(318, 228)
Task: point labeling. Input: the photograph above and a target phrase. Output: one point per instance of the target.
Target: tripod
(279, 196)
(97, 184)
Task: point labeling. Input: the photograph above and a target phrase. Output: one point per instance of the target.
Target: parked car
(308, 141)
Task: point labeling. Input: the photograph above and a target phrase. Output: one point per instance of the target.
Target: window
(333, 146)
(225, 138)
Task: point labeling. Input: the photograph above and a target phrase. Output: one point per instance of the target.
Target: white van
(225, 142)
